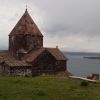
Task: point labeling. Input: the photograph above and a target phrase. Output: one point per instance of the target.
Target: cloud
(66, 23)
(76, 16)
(74, 43)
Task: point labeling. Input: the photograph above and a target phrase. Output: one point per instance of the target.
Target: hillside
(46, 88)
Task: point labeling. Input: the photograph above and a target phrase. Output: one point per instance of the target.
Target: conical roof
(25, 26)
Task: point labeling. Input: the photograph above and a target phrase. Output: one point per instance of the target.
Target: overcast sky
(72, 25)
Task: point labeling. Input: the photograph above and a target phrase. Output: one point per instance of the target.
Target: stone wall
(21, 71)
(27, 42)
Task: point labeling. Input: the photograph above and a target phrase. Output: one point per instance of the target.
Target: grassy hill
(47, 88)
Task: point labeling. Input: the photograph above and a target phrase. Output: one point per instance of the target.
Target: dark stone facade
(46, 63)
(27, 43)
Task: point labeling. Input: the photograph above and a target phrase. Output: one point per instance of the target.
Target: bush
(41, 93)
(84, 83)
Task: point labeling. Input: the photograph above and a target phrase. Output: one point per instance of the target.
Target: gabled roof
(25, 26)
(58, 55)
(5, 57)
(55, 52)
(30, 57)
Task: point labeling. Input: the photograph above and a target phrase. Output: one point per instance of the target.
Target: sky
(72, 25)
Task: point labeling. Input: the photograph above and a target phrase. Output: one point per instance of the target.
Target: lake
(80, 66)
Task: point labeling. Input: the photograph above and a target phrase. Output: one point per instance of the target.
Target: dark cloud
(74, 16)
(55, 28)
(68, 23)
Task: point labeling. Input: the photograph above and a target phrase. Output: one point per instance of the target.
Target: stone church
(26, 55)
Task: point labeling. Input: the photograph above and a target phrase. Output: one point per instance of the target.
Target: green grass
(47, 88)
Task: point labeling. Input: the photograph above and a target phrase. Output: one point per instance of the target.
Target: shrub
(84, 83)
(41, 93)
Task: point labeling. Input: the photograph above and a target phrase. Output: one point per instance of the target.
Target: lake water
(80, 66)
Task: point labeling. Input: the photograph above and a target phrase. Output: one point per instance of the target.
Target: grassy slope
(46, 88)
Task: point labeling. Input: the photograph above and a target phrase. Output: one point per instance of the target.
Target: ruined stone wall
(21, 71)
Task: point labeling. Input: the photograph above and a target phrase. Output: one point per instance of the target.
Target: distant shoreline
(92, 58)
